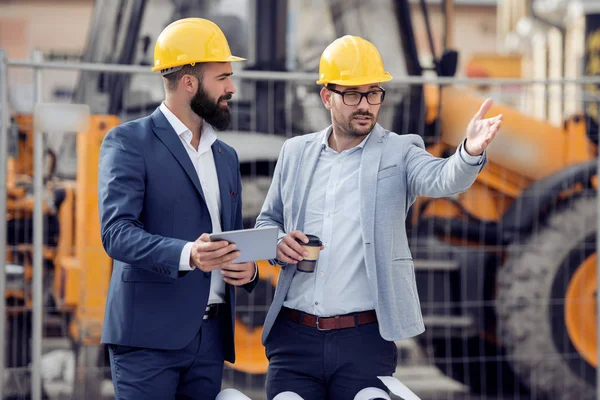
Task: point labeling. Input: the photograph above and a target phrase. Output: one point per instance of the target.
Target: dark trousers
(194, 372)
(327, 365)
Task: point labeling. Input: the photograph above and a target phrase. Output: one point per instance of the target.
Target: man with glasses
(330, 333)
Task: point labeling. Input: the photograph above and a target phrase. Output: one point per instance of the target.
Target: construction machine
(505, 271)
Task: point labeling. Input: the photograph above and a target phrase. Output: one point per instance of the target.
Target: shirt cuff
(255, 272)
(184, 260)
(469, 159)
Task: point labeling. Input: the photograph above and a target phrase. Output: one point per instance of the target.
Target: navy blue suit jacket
(151, 204)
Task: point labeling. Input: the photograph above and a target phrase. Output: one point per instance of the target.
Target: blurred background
(506, 272)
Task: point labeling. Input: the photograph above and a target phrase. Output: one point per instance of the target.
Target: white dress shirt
(339, 284)
(204, 164)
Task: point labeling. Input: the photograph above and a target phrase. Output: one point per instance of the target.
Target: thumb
(205, 237)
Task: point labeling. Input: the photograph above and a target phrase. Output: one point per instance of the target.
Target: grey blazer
(395, 169)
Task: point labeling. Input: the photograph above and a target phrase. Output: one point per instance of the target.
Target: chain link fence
(506, 272)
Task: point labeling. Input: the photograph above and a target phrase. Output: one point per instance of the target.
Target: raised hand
(481, 131)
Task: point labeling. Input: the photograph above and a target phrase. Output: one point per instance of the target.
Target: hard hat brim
(178, 64)
(357, 81)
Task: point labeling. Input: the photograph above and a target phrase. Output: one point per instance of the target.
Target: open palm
(481, 131)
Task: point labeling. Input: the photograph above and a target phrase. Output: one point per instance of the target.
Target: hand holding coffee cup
(291, 251)
(311, 253)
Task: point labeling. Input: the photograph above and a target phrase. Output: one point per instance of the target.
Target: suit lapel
(367, 183)
(167, 135)
(223, 174)
(306, 169)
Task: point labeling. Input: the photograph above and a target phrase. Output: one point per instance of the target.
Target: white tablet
(253, 244)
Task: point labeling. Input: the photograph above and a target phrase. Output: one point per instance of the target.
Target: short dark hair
(174, 77)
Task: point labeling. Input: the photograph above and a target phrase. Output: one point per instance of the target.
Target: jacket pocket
(402, 258)
(132, 274)
(387, 172)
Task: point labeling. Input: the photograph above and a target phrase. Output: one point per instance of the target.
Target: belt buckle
(318, 327)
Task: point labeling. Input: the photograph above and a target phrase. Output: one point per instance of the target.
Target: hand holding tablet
(251, 244)
(208, 256)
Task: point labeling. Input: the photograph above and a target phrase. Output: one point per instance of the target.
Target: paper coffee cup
(313, 247)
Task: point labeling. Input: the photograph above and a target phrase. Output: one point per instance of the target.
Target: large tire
(530, 304)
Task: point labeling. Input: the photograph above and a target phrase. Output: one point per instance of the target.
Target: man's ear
(326, 98)
(189, 83)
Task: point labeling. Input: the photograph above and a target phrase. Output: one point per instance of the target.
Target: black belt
(214, 311)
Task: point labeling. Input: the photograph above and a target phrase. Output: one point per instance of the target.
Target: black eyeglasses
(353, 97)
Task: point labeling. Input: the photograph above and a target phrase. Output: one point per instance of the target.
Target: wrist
(471, 152)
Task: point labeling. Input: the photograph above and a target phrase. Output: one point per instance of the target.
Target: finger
(236, 282)
(494, 128)
(241, 267)
(292, 252)
(212, 246)
(209, 251)
(281, 256)
(223, 261)
(294, 246)
(205, 237)
(228, 259)
(299, 235)
(485, 107)
(234, 274)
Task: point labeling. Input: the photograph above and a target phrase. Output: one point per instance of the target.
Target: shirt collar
(325, 141)
(208, 137)
(178, 126)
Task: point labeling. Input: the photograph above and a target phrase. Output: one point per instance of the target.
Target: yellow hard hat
(351, 61)
(189, 41)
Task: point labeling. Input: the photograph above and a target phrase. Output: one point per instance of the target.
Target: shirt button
(321, 273)
(316, 303)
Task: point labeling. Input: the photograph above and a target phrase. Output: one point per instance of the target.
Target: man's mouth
(362, 119)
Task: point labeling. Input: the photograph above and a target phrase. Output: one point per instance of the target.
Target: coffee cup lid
(312, 241)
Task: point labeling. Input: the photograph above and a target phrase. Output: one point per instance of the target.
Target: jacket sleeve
(121, 189)
(431, 176)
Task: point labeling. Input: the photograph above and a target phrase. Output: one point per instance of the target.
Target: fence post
(38, 238)
(3, 190)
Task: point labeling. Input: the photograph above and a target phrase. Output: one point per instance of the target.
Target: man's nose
(363, 105)
(231, 88)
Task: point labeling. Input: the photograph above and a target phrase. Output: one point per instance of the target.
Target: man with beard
(165, 183)
(330, 333)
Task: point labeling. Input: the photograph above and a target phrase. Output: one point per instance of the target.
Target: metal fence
(506, 272)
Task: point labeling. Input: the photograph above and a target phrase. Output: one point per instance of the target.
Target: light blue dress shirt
(339, 284)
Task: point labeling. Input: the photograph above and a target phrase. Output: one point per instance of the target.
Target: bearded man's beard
(210, 111)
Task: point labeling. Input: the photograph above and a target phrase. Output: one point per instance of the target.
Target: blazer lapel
(306, 169)
(224, 175)
(367, 181)
(167, 135)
